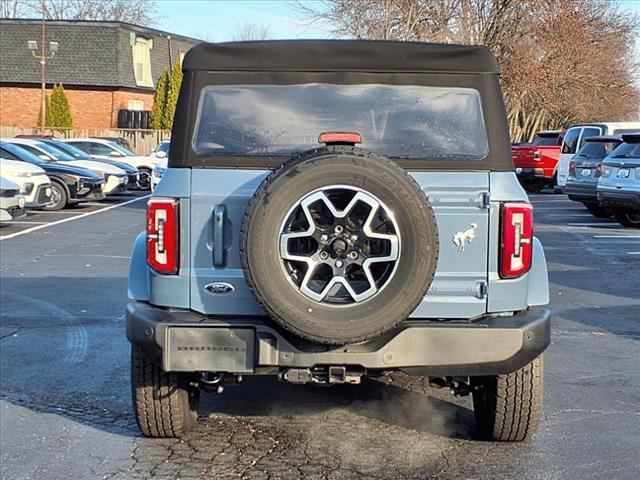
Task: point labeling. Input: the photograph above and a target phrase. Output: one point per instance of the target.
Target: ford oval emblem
(219, 288)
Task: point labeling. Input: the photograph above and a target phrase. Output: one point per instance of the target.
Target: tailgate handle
(219, 253)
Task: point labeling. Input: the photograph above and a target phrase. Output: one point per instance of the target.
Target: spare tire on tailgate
(339, 245)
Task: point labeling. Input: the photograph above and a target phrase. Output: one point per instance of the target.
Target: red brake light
(340, 137)
(162, 235)
(517, 238)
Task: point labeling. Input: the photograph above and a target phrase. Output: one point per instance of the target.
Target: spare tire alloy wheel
(344, 255)
(339, 245)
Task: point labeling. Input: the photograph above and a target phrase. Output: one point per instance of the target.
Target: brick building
(104, 67)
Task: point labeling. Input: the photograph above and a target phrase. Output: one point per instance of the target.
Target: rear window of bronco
(399, 121)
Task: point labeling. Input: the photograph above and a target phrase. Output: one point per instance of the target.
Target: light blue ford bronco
(334, 210)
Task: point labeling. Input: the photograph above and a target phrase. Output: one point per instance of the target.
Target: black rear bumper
(189, 342)
(619, 199)
(530, 173)
(581, 192)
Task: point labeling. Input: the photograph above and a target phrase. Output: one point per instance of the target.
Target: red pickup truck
(536, 162)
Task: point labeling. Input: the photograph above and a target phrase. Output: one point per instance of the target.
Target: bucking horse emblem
(460, 239)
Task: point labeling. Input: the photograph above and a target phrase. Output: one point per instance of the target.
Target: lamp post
(43, 57)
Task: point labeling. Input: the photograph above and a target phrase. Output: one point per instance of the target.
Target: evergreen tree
(59, 108)
(172, 95)
(160, 101)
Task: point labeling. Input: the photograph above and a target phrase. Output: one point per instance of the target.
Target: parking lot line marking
(569, 215)
(633, 253)
(24, 222)
(594, 224)
(617, 236)
(66, 212)
(64, 220)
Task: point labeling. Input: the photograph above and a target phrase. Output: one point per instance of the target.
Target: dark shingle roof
(90, 53)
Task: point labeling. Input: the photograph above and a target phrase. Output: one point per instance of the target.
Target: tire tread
(161, 403)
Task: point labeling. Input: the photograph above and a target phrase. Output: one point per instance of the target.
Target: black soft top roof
(340, 55)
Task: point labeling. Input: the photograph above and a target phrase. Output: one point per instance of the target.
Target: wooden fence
(142, 142)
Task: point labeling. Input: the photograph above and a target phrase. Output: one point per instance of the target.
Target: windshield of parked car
(546, 140)
(400, 121)
(54, 152)
(10, 151)
(596, 150)
(122, 149)
(70, 150)
(162, 147)
(626, 150)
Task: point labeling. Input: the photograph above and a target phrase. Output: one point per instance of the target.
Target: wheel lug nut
(339, 229)
(324, 255)
(353, 255)
(339, 263)
(324, 238)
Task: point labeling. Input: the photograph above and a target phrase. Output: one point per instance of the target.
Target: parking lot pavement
(64, 388)
(39, 219)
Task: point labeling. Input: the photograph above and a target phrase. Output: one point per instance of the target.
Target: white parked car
(575, 136)
(106, 149)
(115, 178)
(158, 172)
(11, 202)
(34, 184)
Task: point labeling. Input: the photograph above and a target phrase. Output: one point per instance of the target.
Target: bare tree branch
(562, 61)
(140, 12)
(248, 31)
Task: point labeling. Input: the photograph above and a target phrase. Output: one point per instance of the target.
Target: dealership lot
(64, 388)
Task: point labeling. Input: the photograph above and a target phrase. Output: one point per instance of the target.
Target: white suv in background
(106, 149)
(115, 178)
(575, 137)
(34, 184)
(11, 202)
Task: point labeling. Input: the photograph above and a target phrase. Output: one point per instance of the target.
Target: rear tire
(59, 196)
(165, 404)
(534, 186)
(597, 211)
(507, 407)
(628, 218)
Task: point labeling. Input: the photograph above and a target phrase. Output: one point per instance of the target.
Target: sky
(216, 20)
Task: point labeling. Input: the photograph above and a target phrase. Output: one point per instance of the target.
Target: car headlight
(18, 173)
(606, 171)
(637, 173)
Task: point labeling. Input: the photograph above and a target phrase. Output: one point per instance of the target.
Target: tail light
(517, 238)
(572, 169)
(162, 235)
(598, 172)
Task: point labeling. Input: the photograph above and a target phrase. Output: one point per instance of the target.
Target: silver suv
(333, 210)
(619, 184)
